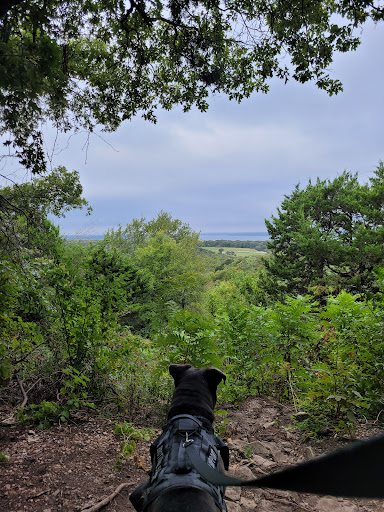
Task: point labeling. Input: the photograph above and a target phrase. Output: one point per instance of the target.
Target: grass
(239, 251)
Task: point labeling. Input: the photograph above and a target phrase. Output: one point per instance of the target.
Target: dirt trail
(68, 468)
(262, 441)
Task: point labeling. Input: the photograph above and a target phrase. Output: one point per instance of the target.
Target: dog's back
(184, 500)
(174, 485)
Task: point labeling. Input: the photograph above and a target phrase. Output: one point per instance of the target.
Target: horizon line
(232, 233)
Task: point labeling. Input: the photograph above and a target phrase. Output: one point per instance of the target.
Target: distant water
(251, 236)
(84, 237)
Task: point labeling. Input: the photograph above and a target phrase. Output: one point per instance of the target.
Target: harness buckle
(187, 441)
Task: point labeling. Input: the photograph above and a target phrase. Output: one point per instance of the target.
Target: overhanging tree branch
(6, 5)
(128, 61)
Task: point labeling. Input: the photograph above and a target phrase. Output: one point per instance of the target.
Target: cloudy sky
(228, 169)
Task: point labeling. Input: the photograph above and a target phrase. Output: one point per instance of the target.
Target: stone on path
(233, 493)
(233, 507)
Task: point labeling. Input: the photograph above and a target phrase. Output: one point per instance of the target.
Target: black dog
(174, 485)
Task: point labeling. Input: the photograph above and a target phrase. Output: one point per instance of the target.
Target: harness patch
(212, 459)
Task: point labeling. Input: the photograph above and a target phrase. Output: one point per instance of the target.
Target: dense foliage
(24, 209)
(96, 325)
(328, 236)
(82, 63)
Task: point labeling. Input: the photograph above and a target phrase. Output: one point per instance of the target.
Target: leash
(356, 471)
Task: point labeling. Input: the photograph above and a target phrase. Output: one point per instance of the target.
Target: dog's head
(195, 390)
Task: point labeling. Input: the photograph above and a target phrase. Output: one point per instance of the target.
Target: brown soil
(71, 467)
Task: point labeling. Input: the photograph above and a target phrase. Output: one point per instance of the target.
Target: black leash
(356, 471)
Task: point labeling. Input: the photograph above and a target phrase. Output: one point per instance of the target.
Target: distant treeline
(249, 244)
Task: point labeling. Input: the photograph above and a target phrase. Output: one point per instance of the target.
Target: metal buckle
(187, 441)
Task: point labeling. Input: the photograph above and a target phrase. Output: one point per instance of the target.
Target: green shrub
(43, 415)
(129, 435)
(189, 338)
(4, 457)
(48, 413)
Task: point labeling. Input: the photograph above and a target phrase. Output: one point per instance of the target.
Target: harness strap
(181, 467)
(356, 471)
(195, 419)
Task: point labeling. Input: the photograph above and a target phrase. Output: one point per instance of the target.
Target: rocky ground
(71, 467)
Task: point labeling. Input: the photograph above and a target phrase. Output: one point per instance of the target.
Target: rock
(300, 416)
(233, 493)
(233, 507)
(247, 504)
(325, 504)
(309, 453)
(269, 424)
(272, 506)
(235, 444)
(243, 472)
(277, 454)
(243, 447)
(263, 463)
(258, 448)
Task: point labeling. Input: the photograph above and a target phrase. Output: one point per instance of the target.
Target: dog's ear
(177, 371)
(214, 377)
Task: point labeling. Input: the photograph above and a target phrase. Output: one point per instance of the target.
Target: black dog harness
(171, 468)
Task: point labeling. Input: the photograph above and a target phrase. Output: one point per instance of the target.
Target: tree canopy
(166, 251)
(328, 236)
(140, 231)
(24, 209)
(81, 63)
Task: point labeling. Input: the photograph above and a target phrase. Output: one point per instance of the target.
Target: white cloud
(224, 140)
